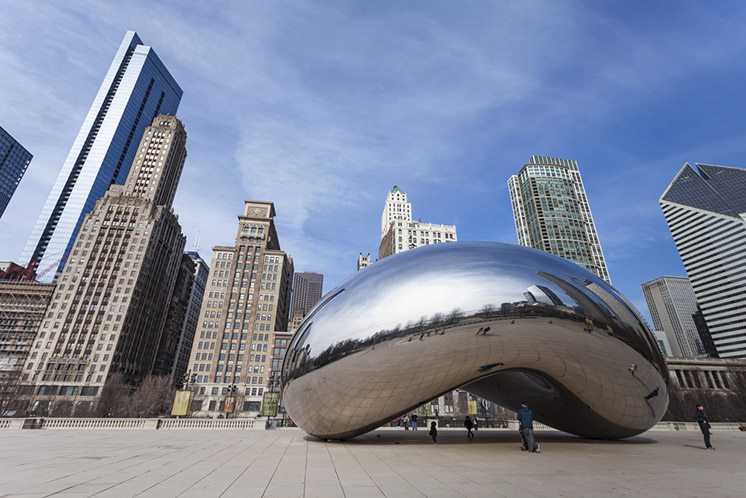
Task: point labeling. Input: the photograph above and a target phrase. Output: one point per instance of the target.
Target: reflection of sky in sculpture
(401, 289)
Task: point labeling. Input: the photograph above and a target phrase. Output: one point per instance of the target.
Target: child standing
(434, 432)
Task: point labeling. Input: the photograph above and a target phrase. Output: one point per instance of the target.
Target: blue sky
(323, 106)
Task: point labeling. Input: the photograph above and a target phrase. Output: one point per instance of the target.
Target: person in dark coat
(469, 426)
(434, 432)
(414, 421)
(525, 418)
(704, 424)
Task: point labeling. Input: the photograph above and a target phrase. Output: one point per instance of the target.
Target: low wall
(254, 424)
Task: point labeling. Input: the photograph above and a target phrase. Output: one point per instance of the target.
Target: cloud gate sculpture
(503, 322)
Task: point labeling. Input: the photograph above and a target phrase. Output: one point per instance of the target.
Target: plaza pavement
(387, 462)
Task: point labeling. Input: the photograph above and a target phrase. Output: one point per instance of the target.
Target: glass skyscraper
(14, 160)
(551, 212)
(706, 212)
(136, 88)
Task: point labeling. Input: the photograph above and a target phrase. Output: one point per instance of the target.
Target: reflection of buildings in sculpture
(14, 159)
(400, 233)
(363, 261)
(706, 213)
(109, 310)
(672, 306)
(542, 294)
(552, 213)
(246, 302)
(662, 340)
(136, 89)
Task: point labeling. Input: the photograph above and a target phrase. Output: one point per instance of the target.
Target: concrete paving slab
(287, 463)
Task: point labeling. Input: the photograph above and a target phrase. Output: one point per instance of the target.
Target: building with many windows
(23, 305)
(14, 160)
(307, 291)
(135, 90)
(111, 304)
(191, 316)
(552, 213)
(400, 233)
(244, 309)
(672, 306)
(706, 212)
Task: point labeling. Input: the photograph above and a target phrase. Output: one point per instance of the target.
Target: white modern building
(400, 233)
(706, 212)
(552, 213)
(136, 89)
(672, 306)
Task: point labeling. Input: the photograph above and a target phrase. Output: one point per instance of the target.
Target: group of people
(525, 418)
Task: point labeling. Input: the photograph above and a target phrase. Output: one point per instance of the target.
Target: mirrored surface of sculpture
(506, 323)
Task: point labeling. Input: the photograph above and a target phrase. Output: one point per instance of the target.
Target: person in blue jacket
(526, 427)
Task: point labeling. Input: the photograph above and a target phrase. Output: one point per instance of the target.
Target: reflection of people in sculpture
(469, 426)
(414, 421)
(525, 418)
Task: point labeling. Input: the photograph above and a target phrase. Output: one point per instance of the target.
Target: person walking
(704, 424)
(469, 426)
(476, 424)
(525, 418)
(414, 421)
(434, 432)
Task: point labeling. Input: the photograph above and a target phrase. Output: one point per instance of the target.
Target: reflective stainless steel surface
(504, 322)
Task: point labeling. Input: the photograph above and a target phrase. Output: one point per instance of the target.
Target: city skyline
(442, 128)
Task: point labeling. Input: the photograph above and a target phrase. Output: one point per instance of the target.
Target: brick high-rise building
(23, 305)
(245, 306)
(110, 306)
(307, 289)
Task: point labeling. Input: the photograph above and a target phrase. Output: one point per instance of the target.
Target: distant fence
(256, 424)
(135, 423)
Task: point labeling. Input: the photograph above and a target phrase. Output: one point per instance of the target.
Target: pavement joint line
(305, 470)
(403, 477)
(239, 441)
(279, 461)
(204, 476)
(334, 466)
(247, 467)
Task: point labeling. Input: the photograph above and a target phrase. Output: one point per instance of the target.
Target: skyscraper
(136, 89)
(191, 317)
(552, 213)
(14, 160)
(111, 304)
(672, 306)
(400, 233)
(244, 309)
(706, 212)
(307, 289)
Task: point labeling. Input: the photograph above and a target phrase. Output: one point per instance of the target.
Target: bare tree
(114, 397)
(454, 315)
(10, 400)
(489, 310)
(152, 398)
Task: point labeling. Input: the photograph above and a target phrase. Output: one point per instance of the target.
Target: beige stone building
(246, 301)
(111, 303)
(400, 233)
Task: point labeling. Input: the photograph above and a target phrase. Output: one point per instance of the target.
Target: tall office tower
(551, 212)
(245, 307)
(14, 160)
(136, 89)
(363, 261)
(399, 233)
(672, 306)
(307, 289)
(110, 306)
(23, 305)
(706, 213)
(191, 316)
(166, 359)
